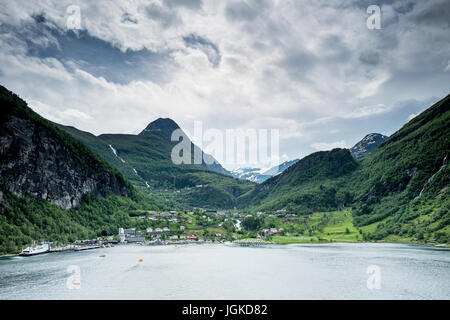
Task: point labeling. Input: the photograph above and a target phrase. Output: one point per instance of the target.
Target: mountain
(367, 144)
(304, 186)
(399, 190)
(53, 187)
(255, 174)
(250, 174)
(41, 161)
(403, 185)
(164, 127)
(280, 168)
(145, 159)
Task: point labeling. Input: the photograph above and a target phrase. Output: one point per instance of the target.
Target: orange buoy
(76, 283)
(102, 255)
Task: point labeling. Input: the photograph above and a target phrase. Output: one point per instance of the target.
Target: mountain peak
(162, 127)
(367, 144)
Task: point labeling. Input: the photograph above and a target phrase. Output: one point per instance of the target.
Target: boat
(34, 250)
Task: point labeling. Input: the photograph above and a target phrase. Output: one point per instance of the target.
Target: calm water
(327, 271)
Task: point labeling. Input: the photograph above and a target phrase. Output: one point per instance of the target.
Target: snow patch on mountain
(367, 144)
(259, 175)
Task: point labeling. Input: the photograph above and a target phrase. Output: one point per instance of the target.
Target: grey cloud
(128, 18)
(371, 58)
(43, 39)
(207, 47)
(333, 49)
(404, 7)
(435, 14)
(189, 4)
(245, 10)
(297, 64)
(166, 17)
(261, 42)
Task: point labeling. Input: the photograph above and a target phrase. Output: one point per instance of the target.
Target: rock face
(367, 144)
(38, 160)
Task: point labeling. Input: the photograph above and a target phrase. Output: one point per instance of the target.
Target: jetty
(69, 247)
(251, 242)
(86, 248)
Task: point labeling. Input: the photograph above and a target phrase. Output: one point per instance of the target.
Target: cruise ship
(34, 250)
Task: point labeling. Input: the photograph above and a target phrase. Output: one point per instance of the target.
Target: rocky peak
(367, 144)
(162, 127)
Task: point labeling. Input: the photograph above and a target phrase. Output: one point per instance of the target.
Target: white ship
(33, 250)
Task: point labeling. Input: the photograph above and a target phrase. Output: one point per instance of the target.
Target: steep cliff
(39, 160)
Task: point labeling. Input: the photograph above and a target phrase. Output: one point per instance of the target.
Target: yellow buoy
(140, 260)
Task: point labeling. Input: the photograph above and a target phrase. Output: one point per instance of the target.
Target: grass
(322, 227)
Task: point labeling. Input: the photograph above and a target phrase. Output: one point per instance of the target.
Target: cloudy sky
(312, 69)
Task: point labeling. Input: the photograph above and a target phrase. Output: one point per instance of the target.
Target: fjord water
(300, 271)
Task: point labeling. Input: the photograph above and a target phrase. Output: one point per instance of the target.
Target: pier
(251, 242)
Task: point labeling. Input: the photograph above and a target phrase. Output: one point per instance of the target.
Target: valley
(61, 184)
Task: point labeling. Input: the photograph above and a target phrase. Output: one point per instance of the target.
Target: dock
(86, 248)
(248, 242)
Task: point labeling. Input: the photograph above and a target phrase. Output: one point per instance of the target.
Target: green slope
(398, 191)
(145, 159)
(38, 161)
(24, 156)
(404, 182)
(312, 184)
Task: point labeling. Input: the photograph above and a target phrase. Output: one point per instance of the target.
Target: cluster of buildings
(130, 235)
(157, 230)
(272, 231)
(171, 216)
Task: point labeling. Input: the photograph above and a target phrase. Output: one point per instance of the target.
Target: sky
(311, 69)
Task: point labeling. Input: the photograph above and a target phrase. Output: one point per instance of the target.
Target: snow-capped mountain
(251, 174)
(258, 175)
(280, 168)
(367, 144)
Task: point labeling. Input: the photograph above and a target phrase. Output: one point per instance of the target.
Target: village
(197, 226)
(182, 227)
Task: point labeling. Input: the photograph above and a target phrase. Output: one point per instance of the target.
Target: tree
(251, 223)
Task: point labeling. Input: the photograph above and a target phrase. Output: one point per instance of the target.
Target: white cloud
(295, 66)
(367, 111)
(325, 146)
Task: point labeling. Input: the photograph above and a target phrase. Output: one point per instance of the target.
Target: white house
(121, 235)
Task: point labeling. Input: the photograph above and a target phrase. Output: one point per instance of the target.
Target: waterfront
(227, 271)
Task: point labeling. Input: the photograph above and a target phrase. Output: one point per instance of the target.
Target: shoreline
(274, 243)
